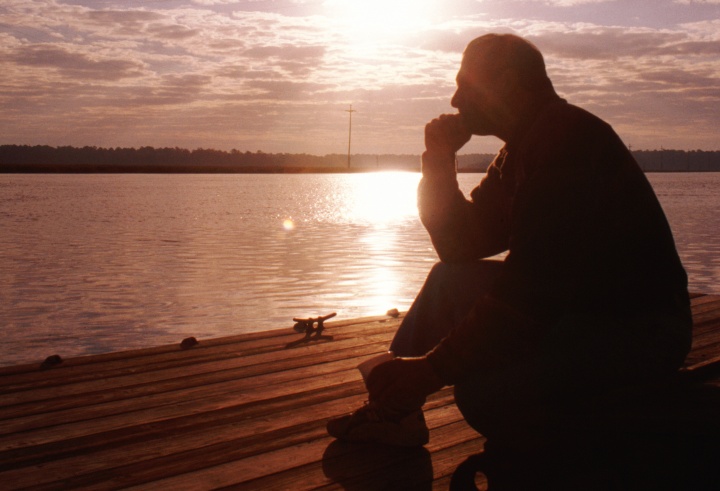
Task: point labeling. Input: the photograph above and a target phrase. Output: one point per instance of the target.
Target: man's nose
(455, 99)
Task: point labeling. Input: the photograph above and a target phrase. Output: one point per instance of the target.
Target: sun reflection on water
(382, 198)
(383, 203)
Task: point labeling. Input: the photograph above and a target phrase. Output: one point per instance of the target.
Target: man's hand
(403, 384)
(444, 136)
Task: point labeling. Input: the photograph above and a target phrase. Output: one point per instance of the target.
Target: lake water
(98, 263)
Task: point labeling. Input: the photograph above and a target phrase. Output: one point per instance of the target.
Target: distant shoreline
(286, 170)
(38, 159)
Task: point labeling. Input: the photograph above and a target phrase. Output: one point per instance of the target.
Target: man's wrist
(438, 164)
(434, 382)
(444, 365)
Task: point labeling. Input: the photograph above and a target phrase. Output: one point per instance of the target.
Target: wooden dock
(243, 412)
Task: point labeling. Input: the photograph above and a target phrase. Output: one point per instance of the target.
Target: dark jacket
(584, 231)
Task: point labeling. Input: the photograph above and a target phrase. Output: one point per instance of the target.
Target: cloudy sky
(279, 75)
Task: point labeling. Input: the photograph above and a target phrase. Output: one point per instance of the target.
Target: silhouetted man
(591, 294)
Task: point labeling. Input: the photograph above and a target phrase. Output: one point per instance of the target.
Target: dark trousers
(520, 404)
(448, 294)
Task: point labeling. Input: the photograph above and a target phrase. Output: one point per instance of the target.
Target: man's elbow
(465, 251)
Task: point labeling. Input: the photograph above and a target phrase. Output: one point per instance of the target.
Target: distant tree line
(678, 160)
(43, 158)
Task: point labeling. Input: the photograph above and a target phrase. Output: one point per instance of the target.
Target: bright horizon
(279, 75)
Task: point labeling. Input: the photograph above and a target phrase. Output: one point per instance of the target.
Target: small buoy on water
(51, 361)
(188, 343)
(393, 313)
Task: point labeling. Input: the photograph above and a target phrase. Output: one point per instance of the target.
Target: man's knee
(464, 280)
(442, 272)
(489, 268)
(503, 414)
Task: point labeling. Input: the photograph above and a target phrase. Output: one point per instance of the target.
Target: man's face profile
(476, 97)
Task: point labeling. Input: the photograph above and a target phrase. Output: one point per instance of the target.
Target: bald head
(510, 57)
(501, 85)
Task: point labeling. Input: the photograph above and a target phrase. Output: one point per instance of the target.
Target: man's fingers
(384, 380)
(446, 133)
(376, 380)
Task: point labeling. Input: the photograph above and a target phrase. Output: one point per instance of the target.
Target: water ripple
(95, 263)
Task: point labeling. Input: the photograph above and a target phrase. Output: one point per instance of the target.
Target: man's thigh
(449, 292)
(580, 356)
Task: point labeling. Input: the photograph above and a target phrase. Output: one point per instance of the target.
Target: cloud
(172, 32)
(75, 64)
(284, 89)
(135, 24)
(169, 90)
(640, 80)
(680, 79)
(125, 18)
(278, 75)
(563, 3)
(611, 43)
(606, 43)
(215, 2)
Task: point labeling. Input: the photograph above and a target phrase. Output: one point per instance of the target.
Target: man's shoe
(370, 424)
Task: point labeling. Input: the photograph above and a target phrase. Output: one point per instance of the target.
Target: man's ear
(509, 82)
(515, 91)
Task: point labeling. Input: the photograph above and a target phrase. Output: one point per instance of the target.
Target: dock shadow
(306, 340)
(368, 467)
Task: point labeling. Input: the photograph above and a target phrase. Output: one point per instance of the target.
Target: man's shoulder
(565, 125)
(565, 135)
(563, 115)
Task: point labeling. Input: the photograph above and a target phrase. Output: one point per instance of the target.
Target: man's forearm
(438, 190)
(459, 231)
(439, 198)
(439, 165)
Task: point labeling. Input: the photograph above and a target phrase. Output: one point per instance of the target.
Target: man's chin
(480, 131)
(475, 127)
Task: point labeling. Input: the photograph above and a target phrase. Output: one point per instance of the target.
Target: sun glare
(288, 224)
(370, 21)
(381, 198)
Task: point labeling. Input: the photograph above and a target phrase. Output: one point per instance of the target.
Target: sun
(382, 20)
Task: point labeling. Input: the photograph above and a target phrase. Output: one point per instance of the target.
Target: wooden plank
(166, 391)
(264, 336)
(85, 421)
(164, 455)
(172, 435)
(180, 377)
(704, 303)
(707, 307)
(701, 356)
(707, 338)
(276, 461)
(213, 454)
(706, 318)
(377, 467)
(241, 412)
(96, 368)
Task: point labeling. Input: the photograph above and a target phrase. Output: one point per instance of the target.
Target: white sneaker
(370, 424)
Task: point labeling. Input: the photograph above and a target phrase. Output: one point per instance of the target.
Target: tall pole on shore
(350, 111)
